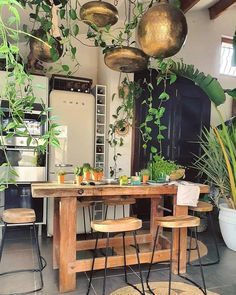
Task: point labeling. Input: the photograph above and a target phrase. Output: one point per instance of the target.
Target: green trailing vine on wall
(19, 94)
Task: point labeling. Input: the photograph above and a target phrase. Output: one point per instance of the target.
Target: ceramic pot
(145, 178)
(227, 220)
(95, 176)
(60, 179)
(78, 179)
(87, 176)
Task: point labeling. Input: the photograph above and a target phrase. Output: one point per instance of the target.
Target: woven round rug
(146, 247)
(161, 288)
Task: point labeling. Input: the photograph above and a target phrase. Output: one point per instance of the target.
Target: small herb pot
(95, 176)
(60, 179)
(87, 176)
(145, 178)
(78, 179)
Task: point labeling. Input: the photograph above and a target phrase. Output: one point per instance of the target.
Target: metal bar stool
(203, 207)
(23, 216)
(174, 222)
(89, 205)
(108, 226)
(118, 202)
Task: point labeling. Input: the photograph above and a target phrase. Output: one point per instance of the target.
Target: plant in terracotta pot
(100, 173)
(86, 171)
(95, 173)
(218, 165)
(145, 173)
(61, 176)
(78, 174)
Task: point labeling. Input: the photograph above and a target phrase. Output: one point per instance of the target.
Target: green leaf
(65, 68)
(75, 30)
(164, 96)
(46, 8)
(73, 14)
(4, 49)
(62, 13)
(153, 150)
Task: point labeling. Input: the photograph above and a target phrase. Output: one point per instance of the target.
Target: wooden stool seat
(84, 204)
(18, 215)
(178, 221)
(202, 207)
(117, 225)
(120, 201)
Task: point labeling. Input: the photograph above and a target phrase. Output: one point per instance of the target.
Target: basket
(179, 173)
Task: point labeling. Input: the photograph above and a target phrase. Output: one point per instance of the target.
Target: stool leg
(90, 218)
(84, 224)
(114, 212)
(123, 210)
(139, 265)
(124, 252)
(39, 257)
(171, 258)
(105, 217)
(3, 239)
(94, 256)
(215, 242)
(200, 264)
(151, 262)
(105, 269)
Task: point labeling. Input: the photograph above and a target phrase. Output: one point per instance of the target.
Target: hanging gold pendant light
(126, 59)
(99, 13)
(41, 51)
(162, 30)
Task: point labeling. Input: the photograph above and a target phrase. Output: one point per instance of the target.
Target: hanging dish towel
(187, 194)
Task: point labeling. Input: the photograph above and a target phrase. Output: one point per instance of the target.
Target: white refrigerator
(75, 114)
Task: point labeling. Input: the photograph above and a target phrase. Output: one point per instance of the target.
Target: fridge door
(75, 114)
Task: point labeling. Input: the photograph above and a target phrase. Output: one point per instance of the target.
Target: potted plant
(61, 176)
(145, 173)
(95, 173)
(78, 174)
(218, 164)
(100, 173)
(86, 171)
(162, 169)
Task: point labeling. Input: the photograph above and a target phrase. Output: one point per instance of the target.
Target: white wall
(202, 49)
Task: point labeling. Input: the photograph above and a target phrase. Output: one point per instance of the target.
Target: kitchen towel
(187, 194)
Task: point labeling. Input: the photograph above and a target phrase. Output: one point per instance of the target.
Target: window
(226, 67)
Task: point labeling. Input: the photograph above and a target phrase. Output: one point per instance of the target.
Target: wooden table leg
(155, 202)
(68, 210)
(179, 210)
(56, 233)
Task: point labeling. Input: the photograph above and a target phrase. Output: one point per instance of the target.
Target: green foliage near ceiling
(207, 83)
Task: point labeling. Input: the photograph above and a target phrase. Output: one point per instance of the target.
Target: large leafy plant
(18, 92)
(218, 162)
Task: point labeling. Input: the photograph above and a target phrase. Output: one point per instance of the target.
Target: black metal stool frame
(215, 243)
(39, 257)
(204, 291)
(125, 265)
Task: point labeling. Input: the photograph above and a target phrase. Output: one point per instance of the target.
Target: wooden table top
(50, 189)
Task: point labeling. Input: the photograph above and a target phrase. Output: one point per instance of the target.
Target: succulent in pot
(78, 174)
(145, 173)
(86, 171)
(61, 176)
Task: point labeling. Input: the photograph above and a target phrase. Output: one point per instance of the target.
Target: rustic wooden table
(65, 216)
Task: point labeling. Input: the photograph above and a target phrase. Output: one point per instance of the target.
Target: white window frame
(226, 57)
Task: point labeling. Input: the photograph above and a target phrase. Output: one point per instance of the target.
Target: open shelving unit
(99, 92)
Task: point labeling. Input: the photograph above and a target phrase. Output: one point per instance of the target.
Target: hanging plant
(123, 117)
(19, 95)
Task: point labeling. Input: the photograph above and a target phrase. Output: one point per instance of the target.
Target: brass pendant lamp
(99, 13)
(162, 30)
(126, 59)
(42, 51)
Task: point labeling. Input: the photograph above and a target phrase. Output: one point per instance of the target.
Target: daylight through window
(226, 67)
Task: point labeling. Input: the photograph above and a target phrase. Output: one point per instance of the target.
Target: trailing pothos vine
(19, 95)
(128, 91)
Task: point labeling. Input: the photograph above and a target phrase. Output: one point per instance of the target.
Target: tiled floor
(18, 253)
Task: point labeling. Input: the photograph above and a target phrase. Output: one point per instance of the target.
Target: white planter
(227, 220)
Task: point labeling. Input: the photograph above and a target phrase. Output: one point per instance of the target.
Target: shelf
(100, 125)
